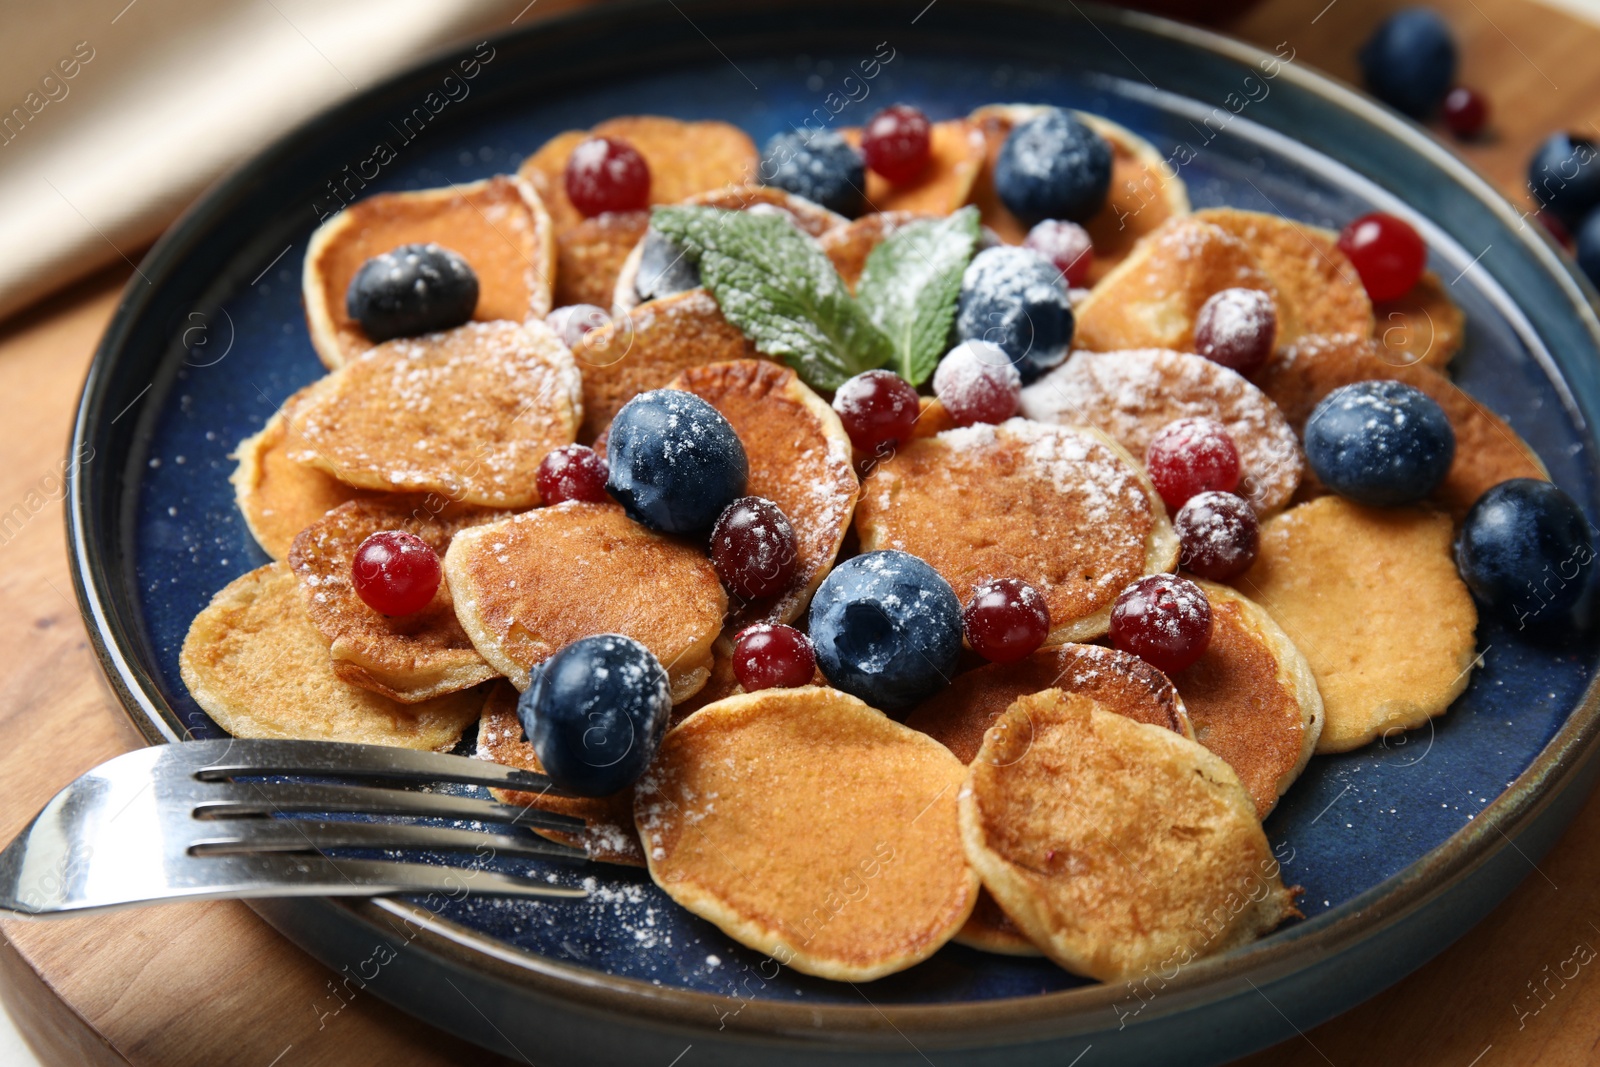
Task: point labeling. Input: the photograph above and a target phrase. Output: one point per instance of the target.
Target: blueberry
(1588, 238)
(1409, 62)
(1013, 297)
(675, 461)
(664, 268)
(410, 290)
(1525, 550)
(887, 629)
(1053, 166)
(1380, 442)
(595, 712)
(1564, 176)
(820, 166)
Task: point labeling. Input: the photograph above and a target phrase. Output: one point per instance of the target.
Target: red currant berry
(878, 409)
(753, 547)
(1466, 112)
(605, 174)
(977, 382)
(1387, 253)
(773, 656)
(896, 142)
(1191, 456)
(572, 472)
(572, 322)
(1005, 620)
(1164, 620)
(1065, 244)
(1236, 328)
(395, 573)
(1218, 535)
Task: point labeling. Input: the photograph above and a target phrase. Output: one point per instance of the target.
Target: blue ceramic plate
(1400, 846)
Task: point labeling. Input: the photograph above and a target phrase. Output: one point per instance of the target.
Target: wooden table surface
(205, 984)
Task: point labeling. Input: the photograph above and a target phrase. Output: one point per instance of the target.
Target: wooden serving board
(207, 984)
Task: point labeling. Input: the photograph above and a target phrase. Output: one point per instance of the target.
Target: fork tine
(317, 835)
(239, 757)
(230, 799)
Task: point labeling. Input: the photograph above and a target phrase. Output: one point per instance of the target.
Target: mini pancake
(498, 225)
(1319, 290)
(849, 245)
(1252, 697)
(468, 413)
(647, 348)
(1151, 298)
(956, 154)
(608, 836)
(590, 255)
(409, 658)
(1372, 598)
(1117, 847)
(811, 219)
(1132, 395)
(959, 715)
(1487, 450)
(799, 459)
(528, 585)
(259, 668)
(810, 827)
(1424, 326)
(1145, 191)
(1064, 509)
(685, 158)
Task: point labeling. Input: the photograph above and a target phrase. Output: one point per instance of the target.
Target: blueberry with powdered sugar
(665, 267)
(1382, 443)
(819, 165)
(411, 290)
(675, 461)
(1054, 166)
(1015, 299)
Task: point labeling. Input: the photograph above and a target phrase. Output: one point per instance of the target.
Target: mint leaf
(910, 284)
(780, 290)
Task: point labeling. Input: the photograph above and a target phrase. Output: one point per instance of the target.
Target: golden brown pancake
(1151, 298)
(528, 585)
(1319, 290)
(1117, 847)
(956, 154)
(1131, 396)
(1487, 450)
(589, 256)
(1424, 326)
(608, 836)
(649, 347)
(959, 715)
(260, 669)
(685, 158)
(799, 458)
(1064, 509)
(849, 245)
(1252, 698)
(468, 414)
(1371, 597)
(498, 225)
(1145, 191)
(409, 658)
(810, 827)
(933, 419)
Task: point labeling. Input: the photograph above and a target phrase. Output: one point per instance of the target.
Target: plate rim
(1561, 760)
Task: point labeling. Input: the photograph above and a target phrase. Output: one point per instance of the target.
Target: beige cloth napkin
(115, 115)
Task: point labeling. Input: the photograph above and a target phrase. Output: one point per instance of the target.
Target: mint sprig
(780, 290)
(910, 284)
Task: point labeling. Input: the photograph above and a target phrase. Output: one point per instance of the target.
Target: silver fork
(203, 820)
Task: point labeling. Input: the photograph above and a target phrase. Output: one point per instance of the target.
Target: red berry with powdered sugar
(395, 573)
(977, 382)
(897, 142)
(773, 656)
(1066, 245)
(753, 547)
(1005, 620)
(571, 322)
(1218, 535)
(1191, 456)
(1237, 328)
(878, 409)
(1164, 620)
(606, 174)
(572, 472)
